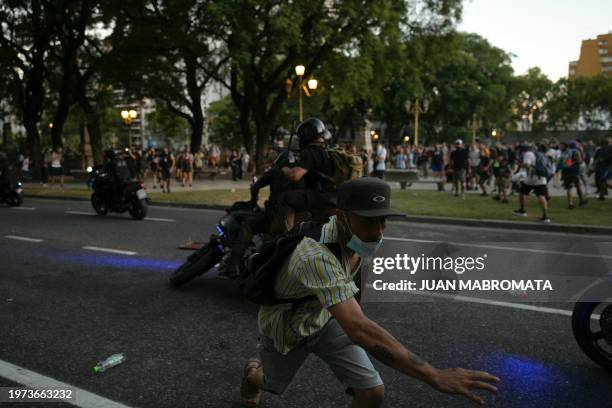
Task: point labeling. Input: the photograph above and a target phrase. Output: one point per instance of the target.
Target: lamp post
(417, 108)
(474, 124)
(311, 84)
(128, 117)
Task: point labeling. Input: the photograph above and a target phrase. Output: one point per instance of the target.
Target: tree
(26, 28)
(167, 53)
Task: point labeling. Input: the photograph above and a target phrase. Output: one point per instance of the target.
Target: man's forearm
(386, 349)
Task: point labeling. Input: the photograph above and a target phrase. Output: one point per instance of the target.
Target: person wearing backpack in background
(536, 180)
(326, 318)
(323, 169)
(571, 159)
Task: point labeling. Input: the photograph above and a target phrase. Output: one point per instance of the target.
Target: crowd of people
(506, 169)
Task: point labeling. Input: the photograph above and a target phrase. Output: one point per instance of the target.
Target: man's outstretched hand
(464, 382)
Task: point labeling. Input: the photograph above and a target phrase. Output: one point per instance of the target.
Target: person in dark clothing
(459, 160)
(315, 168)
(236, 164)
(166, 163)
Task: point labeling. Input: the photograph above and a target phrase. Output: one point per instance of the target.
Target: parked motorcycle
(218, 249)
(11, 189)
(112, 195)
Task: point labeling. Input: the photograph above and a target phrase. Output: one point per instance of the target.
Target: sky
(543, 33)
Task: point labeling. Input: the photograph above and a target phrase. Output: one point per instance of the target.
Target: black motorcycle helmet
(110, 154)
(310, 130)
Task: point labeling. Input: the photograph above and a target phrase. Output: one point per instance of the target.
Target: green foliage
(223, 125)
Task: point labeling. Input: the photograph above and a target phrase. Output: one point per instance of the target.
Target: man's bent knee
(369, 398)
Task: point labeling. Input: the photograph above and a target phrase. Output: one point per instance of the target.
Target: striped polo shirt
(311, 269)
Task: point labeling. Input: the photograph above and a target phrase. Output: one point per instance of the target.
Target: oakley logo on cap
(379, 199)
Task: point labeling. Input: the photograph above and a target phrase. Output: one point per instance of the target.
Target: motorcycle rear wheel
(138, 209)
(589, 340)
(197, 264)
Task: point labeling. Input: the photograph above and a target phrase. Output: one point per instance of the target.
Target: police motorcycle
(228, 232)
(592, 324)
(11, 189)
(112, 190)
(218, 248)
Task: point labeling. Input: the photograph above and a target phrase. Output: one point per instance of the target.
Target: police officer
(315, 168)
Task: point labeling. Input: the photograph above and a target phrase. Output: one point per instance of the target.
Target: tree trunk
(33, 142)
(93, 127)
(60, 116)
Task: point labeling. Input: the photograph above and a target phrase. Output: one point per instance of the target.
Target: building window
(603, 42)
(606, 59)
(603, 51)
(607, 68)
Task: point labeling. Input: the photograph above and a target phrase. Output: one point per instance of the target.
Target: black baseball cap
(366, 197)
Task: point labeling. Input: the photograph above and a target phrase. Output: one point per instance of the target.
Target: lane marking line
(159, 219)
(80, 213)
(110, 250)
(468, 299)
(18, 238)
(31, 379)
(504, 248)
(23, 208)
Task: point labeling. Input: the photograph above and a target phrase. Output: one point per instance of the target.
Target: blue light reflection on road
(528, 377)
(120, 261)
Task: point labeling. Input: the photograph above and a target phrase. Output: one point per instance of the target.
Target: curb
(467, 222)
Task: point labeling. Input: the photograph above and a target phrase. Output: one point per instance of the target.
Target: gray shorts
(459, 176)
(349, 362)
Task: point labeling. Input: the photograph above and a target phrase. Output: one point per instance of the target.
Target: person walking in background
(437, 162)
(187, 168)
(381, 159)
(459, 165)
(484, 172)
(166, 165)
(56, 167)
(472, 169)
(502, 172)
(571, 161)
(400, 158)
(236, 164)
(534, 182)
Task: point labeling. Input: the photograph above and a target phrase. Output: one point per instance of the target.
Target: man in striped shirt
(333, 326)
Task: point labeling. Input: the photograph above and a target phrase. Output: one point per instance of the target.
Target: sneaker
(545, 220)
(571, 207)
(601, 198)
(250, 394)
(583, 203)
(497, 197)
(520, 213)
(456, 195)
(505, 201)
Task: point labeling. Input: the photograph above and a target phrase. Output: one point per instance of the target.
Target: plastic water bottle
(110, 362)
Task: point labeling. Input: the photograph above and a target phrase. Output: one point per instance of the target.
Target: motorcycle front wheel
(594, 336)
(197, 264)
(15, 200)
(138, 209)
(98, 204)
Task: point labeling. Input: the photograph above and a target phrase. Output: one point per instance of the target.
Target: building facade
(595, 58)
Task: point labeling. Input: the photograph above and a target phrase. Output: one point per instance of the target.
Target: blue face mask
(361, 248)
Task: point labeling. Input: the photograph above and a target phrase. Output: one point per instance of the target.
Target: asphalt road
(64, 307)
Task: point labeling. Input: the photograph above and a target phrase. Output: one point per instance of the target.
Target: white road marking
(80, 213)
(18, 238)
(518, 306)
(159, 219)
(505, 248)
(31, 379)
(110, 250)
(24, 208)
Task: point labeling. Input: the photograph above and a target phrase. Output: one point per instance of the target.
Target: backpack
(258, 275)
(347, 166)
(544, 166)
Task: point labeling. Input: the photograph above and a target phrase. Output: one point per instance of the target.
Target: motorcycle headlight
(89, 169)
(19, 183)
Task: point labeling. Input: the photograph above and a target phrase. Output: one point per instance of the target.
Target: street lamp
(128, 117)
(417, 108)
(311, 84)
(406, 139)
